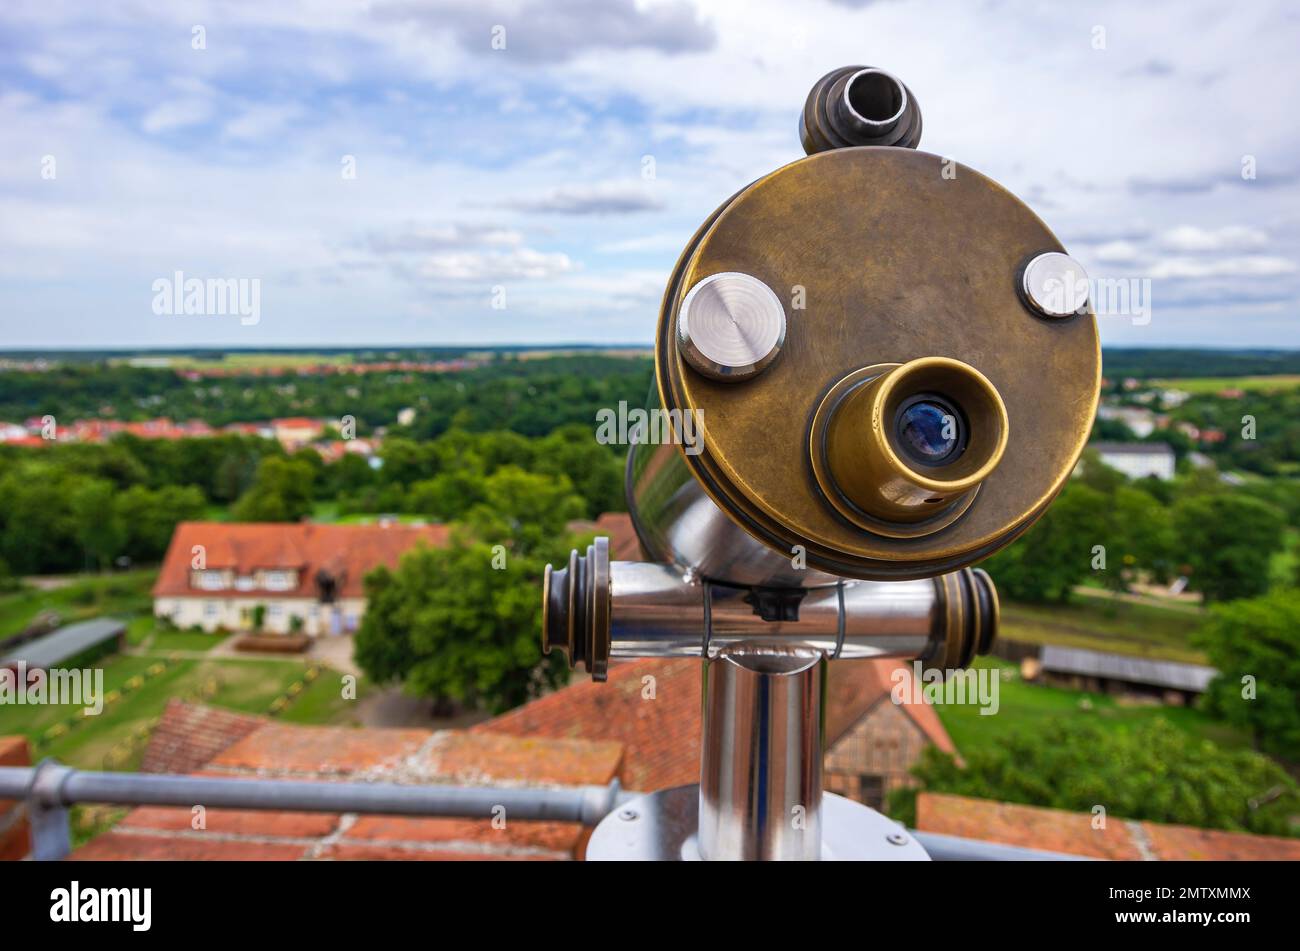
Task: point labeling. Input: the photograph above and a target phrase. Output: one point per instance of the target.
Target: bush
(1153, 771)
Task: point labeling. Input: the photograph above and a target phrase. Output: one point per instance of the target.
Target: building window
(871, 791)
(275, 610)
(210, 608)
(244, 583)
(279, 580)
(210, 580)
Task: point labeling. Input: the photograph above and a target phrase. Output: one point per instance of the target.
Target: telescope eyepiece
(930, 430)
(901, 449)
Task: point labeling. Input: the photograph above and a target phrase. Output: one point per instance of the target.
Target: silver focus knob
(1055, 285)
(730, 326)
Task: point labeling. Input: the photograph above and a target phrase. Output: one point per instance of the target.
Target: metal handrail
(50, 787)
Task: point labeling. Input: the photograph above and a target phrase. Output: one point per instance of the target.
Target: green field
(249, 686)
(1026, 706)
(1123, 627)
(124, 595)
(243, 361)
(248, 683)
(1213, 384)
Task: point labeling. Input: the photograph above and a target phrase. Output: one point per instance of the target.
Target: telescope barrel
(760, 765)
(597, 611)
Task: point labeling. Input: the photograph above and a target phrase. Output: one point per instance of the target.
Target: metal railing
(50, 788)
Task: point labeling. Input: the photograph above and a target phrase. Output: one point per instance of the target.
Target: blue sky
(522, 167)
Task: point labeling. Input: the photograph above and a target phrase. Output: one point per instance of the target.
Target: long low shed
(50, 650)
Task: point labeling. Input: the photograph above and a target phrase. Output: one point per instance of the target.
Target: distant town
(254, 547)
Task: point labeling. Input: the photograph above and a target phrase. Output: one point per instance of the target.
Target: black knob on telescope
(859, 105)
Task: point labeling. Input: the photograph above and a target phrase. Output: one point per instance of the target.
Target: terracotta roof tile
(270, 749)
(246, 547)
(115, 846)
(661, 732)
(318, 750)
(190, 735)
(854, 686)
(1058, 830)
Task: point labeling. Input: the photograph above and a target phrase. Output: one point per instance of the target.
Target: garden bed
(273, 643)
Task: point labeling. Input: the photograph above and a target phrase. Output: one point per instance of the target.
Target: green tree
(1255, 645)
(1227, 538)
(1140, 537)
(149, 516)
(281, 492)
(100, 530)
(460, 624)
(38, 531)
(1153, 771)
(525, 511)
(446, 497)
(1056, 554)
(595, 471)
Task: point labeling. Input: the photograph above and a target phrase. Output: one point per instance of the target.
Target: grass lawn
(1213, 384)
(321, 701)
(245, 685)
(1024, 706)
(1123, 627)
(123, 595)
(324, 511)
(399, 518)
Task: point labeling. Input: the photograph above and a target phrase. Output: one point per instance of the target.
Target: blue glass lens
(928, 431)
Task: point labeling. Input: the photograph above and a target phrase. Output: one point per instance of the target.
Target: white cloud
(601, 198)
(1227, 238)
(1246, 267)
(176, 114)
(493, 265)
(462, 151)
(1117, 252)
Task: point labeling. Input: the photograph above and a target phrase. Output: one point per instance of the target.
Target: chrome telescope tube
(761, 757)
(595, 611)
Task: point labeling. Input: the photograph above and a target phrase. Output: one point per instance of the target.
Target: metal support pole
(761, 762)
(47, 811)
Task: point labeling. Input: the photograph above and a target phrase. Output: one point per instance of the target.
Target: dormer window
(208, 580)
(279, 580)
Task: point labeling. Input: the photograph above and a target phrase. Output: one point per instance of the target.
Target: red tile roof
(1056, 830)
(617, 527)
(855, 686)
(660, 728)
(349, 550)
(190, 734)
(15, 827)
(277, 750)
(623, 543)
(656, 720)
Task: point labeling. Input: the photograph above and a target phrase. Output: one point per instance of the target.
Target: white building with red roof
(306, 578)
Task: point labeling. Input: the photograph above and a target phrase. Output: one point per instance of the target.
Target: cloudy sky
(380, 167)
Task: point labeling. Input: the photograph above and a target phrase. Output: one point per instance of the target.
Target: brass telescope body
(819, 327)
(890, 374)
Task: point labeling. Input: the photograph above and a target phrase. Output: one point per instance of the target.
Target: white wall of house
(236, 614)
(1139, 465)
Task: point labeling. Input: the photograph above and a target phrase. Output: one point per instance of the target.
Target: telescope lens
(930, 431)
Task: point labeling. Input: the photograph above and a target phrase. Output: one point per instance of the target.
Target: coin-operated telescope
(891, 367)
